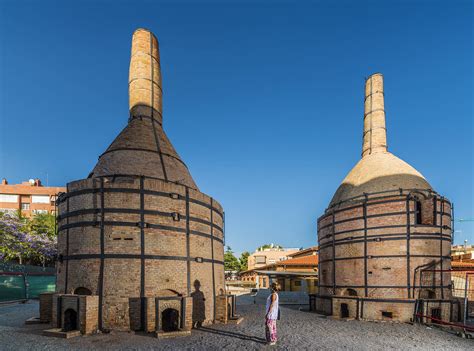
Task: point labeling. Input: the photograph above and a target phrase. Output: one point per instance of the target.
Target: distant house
(313, 250)
(268, 256)
(298, 272)
(29, 197)
(462, 265)
(462, 250)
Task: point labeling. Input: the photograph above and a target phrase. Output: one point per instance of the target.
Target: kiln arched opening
(170, 320)
(70, 320)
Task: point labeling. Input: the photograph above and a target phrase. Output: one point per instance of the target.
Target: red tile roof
(303, 252)
(462, 264)
(311, 260)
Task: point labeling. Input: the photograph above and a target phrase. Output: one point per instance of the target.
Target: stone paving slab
(298, 330)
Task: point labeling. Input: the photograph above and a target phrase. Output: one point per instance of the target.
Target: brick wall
(164, 236)
(392, 260)
(46, 307)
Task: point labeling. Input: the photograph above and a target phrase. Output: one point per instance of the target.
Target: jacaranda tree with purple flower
(28, 240)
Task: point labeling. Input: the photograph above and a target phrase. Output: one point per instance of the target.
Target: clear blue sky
(264, 102)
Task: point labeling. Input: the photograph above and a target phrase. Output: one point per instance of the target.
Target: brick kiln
(137, 234)
(384, 224)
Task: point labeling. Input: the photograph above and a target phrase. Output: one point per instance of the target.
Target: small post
(466, 310)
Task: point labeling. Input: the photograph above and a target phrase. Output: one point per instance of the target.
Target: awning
(288, 274)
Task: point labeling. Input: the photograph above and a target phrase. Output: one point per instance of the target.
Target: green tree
(43, 223)
(269, 246)
(42, 229)
(244, 258)
(231, 263)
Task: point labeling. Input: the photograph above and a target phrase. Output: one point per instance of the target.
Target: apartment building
(30, 197)
(264, 257)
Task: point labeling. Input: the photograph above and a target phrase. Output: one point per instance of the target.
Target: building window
(260, 259)
(425, 211)
(418, 212)
(428, 216)
(297, 282)
(25, 206)
(40, 199)
(8, 198)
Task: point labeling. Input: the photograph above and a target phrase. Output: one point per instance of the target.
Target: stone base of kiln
(164, 316)
(383, 309)
(59, 333)
(172, 334)
(235, 320)
(35, 320)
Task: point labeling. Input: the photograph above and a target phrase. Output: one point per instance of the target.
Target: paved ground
(298, 330)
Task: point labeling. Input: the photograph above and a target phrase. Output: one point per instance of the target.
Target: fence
(23, 282)
(459, 311)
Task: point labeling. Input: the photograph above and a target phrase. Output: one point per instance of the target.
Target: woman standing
(271, 315)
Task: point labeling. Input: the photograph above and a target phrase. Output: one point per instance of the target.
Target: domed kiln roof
(378, 170)
(142, 148)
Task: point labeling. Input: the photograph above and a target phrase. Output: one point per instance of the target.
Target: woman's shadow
(199, 306)
(199, 316)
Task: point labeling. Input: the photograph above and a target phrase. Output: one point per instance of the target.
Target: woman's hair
(275, 286)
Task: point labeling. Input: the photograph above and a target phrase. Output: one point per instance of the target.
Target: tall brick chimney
(375, 136)
(144, 84)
